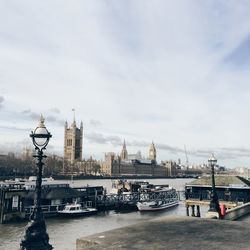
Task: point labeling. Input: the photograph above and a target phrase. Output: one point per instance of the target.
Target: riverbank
(57, 228)
(97, 177)
(172, 232)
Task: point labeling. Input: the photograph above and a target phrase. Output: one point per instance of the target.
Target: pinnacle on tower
(74, 123)
(124, 153)
(124, 144)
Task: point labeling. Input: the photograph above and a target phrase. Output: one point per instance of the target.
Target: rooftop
(220, 180)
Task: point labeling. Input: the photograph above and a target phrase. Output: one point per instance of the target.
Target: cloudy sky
(175, 72)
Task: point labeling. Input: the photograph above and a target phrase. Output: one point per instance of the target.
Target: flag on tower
(73, 109)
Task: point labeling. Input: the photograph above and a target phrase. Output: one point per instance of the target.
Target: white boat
(171, 200)
(155, 205)
(74, 210)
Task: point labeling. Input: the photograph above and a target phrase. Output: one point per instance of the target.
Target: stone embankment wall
(172, 232)
(237, 212)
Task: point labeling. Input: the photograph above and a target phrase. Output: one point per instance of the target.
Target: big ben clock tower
(152, 152)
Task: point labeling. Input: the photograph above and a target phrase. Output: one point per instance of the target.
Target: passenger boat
(169, 199)
(155, 205)
(127, 187)
(75, 210)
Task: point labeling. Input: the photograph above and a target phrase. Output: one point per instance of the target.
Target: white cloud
(139, 70)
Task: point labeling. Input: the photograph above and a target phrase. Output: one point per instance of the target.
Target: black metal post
(187, 210)
(193, 214)
(214, 203)
(36, 237)
(198, 214)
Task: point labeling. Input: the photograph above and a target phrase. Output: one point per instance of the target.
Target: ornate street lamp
(214, 203)
(36, 237)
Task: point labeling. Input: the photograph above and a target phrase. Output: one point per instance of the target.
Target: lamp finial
(41, 121)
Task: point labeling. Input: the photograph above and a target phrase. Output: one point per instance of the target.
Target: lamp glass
(212, 162)
(40, 141)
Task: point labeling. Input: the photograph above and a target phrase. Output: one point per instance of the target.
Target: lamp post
(214, 203)
(36, 237)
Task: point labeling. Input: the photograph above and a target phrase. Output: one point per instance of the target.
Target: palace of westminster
(113, 165)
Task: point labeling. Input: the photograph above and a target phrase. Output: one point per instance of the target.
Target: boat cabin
(73, 207)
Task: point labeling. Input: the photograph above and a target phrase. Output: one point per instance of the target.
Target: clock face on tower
(152, 154)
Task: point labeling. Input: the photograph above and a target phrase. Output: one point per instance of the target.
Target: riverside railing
(47, 209)
(221, 196)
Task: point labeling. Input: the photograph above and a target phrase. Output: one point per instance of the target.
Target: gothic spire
(124, 153)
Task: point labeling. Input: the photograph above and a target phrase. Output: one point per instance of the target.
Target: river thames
(64, 232)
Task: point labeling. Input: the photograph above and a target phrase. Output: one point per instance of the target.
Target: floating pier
(232, 191)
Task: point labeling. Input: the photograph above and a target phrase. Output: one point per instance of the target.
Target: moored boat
(155, 205)
(166, 198)
(75, 210)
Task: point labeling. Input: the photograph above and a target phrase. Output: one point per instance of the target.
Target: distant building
(3, 157)
(137, 156)
(106, 165)
(171, 168)
(179, 162)
(242, 171)
(133, 164)
(7, 157)
(27, 154)
(73, 138)
(152, 152)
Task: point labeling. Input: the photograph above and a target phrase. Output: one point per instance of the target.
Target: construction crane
(187, 164)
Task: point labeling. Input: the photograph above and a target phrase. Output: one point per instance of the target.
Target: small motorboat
(75, 210)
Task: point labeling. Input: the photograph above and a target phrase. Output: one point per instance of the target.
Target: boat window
(72, 208)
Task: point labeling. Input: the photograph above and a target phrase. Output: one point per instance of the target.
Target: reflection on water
(64, 232)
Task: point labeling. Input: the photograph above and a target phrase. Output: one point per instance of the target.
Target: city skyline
(176, 74)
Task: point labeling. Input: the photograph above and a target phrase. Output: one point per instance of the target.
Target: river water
(64, 232)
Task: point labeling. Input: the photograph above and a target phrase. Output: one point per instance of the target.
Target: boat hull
(76, 214)
(144, 207)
